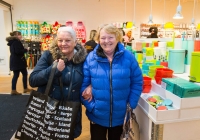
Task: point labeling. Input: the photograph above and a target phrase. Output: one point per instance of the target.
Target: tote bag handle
(48, 87)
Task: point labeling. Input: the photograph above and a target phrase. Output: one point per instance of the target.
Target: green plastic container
(185, 90)
(182, 88)
(177, 60)
(168, 83)
(190, 49)
(195, 67)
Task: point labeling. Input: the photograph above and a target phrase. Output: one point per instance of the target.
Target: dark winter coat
(90, 45)
(17, 50)
(40, 75)
(113, 85)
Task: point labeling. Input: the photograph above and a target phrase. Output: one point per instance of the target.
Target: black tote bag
(47, 118)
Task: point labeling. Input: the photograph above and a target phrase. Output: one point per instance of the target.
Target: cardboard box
(157, 115)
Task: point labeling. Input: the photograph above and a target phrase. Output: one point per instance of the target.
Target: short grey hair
(68, 29)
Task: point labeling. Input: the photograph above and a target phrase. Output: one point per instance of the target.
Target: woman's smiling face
(108, 42)
(65, 42)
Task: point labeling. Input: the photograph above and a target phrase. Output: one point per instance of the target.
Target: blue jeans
(16, 76)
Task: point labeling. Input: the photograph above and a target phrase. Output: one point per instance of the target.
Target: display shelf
(182, 29)
(185, 109)
(144, 29)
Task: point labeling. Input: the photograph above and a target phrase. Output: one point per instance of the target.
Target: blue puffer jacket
(113, 85)
(40, 75)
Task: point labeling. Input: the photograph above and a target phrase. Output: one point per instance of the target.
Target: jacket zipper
(111, 97)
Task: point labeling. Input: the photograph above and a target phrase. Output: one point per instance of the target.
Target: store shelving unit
(182, 29)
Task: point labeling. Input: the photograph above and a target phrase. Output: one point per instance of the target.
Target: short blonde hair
(110, 29)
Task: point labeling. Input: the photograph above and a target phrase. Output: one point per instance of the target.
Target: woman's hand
(87, 93)
(61, 65)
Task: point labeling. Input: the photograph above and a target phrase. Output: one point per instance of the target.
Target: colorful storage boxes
(180, 87)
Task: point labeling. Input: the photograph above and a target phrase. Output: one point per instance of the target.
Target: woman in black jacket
(91, 44)
(17, 61)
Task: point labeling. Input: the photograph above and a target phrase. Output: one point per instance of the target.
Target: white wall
(92, 12)
(4, 55)
(95, 12)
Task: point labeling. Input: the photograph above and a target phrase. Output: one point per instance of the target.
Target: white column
(4, 55)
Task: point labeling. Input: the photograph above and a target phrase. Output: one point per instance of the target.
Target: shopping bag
(48, 118)
(130, 127)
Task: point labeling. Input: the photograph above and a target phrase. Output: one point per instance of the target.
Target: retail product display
(176, 60)
(54, 27)
(169, 30)
(163, 73)
(146, 84)
(160, 104)
(144, 29)
(195, 67)
(38, 36)
(180, 87)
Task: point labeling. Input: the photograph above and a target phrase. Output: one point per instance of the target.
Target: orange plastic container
(197, 45)
(146, 88)
(146, 81)
(164, 72)
(156, 44)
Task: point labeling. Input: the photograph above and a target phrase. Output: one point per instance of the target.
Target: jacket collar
(99, 55)
(79, 53)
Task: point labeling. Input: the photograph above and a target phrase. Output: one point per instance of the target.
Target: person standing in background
(91, 44)
(128, 38)
(154, 32)
(17, 61)
(115, 79)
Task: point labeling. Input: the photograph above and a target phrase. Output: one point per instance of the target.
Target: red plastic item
(146, 80)
(152, 100)
(197, 45)
(164, 72)
(146, 88)
(162, 108)
(155, 44)
(147, 44)
(165, 64)
(158, 80)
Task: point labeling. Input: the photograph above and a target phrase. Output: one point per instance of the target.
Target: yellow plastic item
(149, 51)
(139, 57)
(169, 25)
(150, 61)
(198, 26)
(129, 25)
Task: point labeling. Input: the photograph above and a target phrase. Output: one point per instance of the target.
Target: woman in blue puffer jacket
(116, 79)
